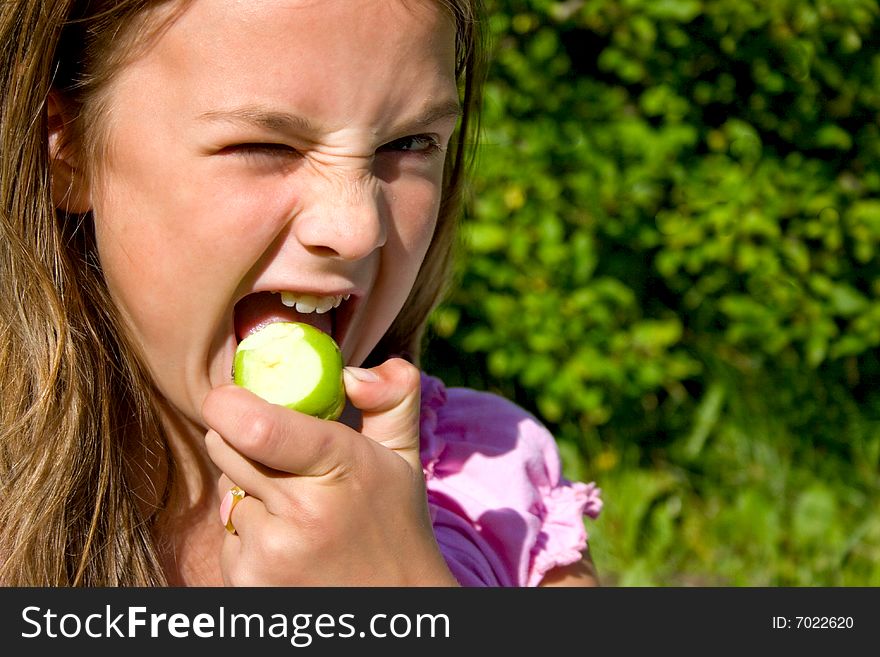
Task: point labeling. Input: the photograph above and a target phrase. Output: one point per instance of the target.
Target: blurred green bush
(671, 257)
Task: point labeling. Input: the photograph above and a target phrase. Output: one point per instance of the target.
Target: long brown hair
(77, 406)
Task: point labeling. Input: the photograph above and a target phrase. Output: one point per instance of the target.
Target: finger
(224, 483)
(245, 517)
(389, 398)
(230, 558)
(256, 479)
(275, 436)
(238, 470)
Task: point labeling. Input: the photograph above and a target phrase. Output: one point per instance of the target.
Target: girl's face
(268, 146)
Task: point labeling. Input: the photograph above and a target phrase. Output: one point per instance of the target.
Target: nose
(345, 217)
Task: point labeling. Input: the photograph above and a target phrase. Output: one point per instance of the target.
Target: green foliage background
(671, 257)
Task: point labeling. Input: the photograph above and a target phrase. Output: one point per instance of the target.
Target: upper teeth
(308, 303)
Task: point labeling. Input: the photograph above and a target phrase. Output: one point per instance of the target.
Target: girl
(169, 168)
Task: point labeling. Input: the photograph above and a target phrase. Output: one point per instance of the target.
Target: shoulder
(494, 478)
(482, 422)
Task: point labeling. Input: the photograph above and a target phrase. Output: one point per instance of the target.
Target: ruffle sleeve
(502, 513)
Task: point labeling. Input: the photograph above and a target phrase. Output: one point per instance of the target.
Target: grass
(754, 492)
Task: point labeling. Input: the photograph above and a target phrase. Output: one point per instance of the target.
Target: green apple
(294, 365)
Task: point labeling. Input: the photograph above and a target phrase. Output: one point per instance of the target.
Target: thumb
(388, 397)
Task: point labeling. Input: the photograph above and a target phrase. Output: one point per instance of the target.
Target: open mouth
(325, 313)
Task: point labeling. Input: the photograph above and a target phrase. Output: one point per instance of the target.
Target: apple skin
(294, 365)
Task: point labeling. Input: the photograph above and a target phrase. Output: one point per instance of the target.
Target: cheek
(170, 217)
(174, 258)
(152, 244)
(414, 208)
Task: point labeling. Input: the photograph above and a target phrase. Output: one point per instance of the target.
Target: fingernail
(362, 375)
(226, 508)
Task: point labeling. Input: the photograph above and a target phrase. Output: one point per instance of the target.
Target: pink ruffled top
(502, 513)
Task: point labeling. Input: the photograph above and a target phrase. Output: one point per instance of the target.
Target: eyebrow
(259, 117)
(275, 121)
(450, 109)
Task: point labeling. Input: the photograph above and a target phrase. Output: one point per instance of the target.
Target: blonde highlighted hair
(78, 411)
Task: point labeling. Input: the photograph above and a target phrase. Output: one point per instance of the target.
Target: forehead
(342, 58)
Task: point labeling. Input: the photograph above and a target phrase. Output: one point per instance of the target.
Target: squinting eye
(260, 148)
(424, 144)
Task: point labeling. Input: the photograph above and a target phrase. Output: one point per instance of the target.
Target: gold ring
(233, 497)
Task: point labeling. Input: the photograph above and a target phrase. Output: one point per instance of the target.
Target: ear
(70, 189)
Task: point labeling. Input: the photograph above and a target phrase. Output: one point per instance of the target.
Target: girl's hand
(326, 505)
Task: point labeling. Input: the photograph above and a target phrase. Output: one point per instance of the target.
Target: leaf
(682, 11)
(705, 419)
(814, 513)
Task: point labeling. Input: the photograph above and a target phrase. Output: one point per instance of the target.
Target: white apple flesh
(294, 365)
